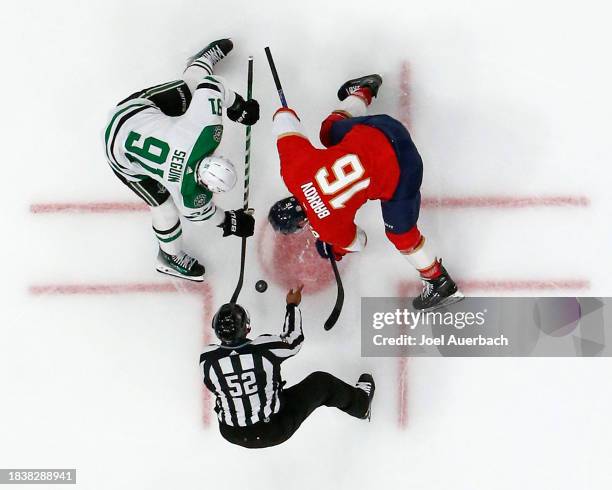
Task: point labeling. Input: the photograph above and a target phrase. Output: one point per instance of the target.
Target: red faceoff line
(465, 202)
(407, 289)
(203, 290)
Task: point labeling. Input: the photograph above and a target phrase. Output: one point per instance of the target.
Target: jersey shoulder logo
(218, 134)
(200, 200)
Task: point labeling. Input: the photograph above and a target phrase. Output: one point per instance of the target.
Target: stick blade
(335, 314)
(333, 318)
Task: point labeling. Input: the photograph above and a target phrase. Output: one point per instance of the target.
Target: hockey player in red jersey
(366, 158)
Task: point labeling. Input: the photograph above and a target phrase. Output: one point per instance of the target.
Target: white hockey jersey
(141, 141)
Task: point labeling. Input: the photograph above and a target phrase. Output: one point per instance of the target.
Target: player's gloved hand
(327, 251)
(286, 109)
(239, 223)
(244, 111)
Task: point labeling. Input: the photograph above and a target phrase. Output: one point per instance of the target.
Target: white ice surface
(507, 98)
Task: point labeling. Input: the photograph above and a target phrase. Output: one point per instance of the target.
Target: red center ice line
(411, 288)
(459, 202)
(202, 290)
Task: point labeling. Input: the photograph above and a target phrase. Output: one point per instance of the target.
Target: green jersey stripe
(144, 193)
(202, 65)
(205, 215)
(122, 121)
(116, 167)
(120, 110)
(112, 122)
(170, 239)
(163, 88)
(210, 86)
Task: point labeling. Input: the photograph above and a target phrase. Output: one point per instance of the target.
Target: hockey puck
(261, 286)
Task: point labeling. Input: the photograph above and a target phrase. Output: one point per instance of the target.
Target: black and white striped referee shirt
(246, 379)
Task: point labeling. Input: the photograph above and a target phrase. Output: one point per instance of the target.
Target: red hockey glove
(327, 251)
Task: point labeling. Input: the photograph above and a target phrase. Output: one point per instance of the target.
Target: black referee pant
(297, 403)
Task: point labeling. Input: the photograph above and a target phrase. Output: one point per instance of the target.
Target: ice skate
(373, 82)
(214, 52)
(180, 265)
(438, 292)
(366, 383)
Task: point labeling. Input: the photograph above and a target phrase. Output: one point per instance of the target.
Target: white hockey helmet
(217, 173)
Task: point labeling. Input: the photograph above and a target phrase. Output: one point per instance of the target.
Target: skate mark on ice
(405, 96)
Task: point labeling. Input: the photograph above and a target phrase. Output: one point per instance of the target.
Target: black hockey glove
(244, 111)
(327, 251)
(238, 222)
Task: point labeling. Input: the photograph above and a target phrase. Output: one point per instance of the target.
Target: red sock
(324, 135)
(365, 93)
(433, 271)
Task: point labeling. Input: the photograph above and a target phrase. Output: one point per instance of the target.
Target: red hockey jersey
(333, 183)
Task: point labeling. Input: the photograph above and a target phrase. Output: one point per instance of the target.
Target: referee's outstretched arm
(289, 342)
(253, 406)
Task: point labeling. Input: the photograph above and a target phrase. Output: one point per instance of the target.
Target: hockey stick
(279, 88)
(247, 182)
(335, 314)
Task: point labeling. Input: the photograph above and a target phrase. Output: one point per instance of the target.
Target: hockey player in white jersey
(160, 142)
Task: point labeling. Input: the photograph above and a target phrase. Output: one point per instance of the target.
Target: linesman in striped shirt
(253, 407)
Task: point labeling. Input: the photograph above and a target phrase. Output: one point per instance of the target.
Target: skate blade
(452, 299)
(171, 272)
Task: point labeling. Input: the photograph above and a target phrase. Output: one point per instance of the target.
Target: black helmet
(287, 216)
(231, 323)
